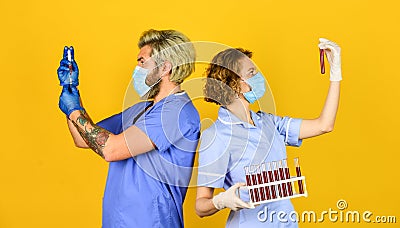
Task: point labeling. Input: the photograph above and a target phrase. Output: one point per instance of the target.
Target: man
(151, 145)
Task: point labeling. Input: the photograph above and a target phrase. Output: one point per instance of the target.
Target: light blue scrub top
(230, 144)
(148, 190)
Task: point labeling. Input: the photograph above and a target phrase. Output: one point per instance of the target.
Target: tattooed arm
(78, 140)
(107, 145)
(94, 136)
(86, 134)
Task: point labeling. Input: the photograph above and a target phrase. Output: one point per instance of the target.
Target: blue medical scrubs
(231, 144)
(148, 190)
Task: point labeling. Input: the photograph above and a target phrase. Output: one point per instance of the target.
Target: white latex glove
(230, 200)
(332, 51)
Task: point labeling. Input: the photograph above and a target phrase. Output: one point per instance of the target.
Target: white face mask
(139, 81)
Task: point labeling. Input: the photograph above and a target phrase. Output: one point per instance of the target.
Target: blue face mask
(139, 81)
(257, 85)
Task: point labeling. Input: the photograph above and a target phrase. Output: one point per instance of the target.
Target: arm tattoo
(94, 136)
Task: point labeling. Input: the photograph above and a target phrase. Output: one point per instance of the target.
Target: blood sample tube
(282, 177)
(298, 172)
(260, 181)
(271, 179)
(321, 60)
(265, 177)
(287, 174)
(248, 182)
(276, 175)
(254, 182)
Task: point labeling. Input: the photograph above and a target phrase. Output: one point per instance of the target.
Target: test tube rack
(267, 182)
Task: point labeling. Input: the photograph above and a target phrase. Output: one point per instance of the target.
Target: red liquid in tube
(287, 175)
(282, 175)
(265, 176)
(271, 179)
(289, 184)
(277, 179)
(298, 172)
(260, 181)
(248, 182)
(254, 182)
(321, 60)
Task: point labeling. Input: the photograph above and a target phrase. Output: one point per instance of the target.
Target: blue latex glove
(64, 75)
(69, 100)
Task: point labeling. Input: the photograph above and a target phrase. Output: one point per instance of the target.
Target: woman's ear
(244, 87)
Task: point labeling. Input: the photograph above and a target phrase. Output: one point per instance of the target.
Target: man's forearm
(78, 140)
(94, 136)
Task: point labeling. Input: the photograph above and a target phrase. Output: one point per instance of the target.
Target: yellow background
(46, 182)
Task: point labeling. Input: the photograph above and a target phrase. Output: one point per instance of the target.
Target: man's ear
(167, 68)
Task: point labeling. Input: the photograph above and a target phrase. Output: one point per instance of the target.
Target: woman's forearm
(326, 120)
(205, 207)
(328, 115)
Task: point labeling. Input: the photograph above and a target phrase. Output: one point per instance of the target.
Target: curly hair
(223, 81)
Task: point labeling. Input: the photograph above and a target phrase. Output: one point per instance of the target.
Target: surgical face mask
(139, 81)
(257, 85)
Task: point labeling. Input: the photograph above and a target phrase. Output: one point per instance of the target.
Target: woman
(241, 137)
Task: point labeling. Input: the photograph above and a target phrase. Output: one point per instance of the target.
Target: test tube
(321, 60)
(69, 57)
(282, 177)
(276, 175)
(254, 182)
(260, 181)
(298, 172)
(265, 177)
(287, 174)
(248, 182)
(271, 179)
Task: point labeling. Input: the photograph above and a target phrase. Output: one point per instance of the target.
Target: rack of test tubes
(271, 181)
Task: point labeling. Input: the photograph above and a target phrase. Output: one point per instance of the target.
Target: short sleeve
(112, 124)
(167, 125)
(289, 128)
(213, 160)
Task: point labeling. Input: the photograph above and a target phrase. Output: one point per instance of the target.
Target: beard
(153, 77)
(154, 91)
